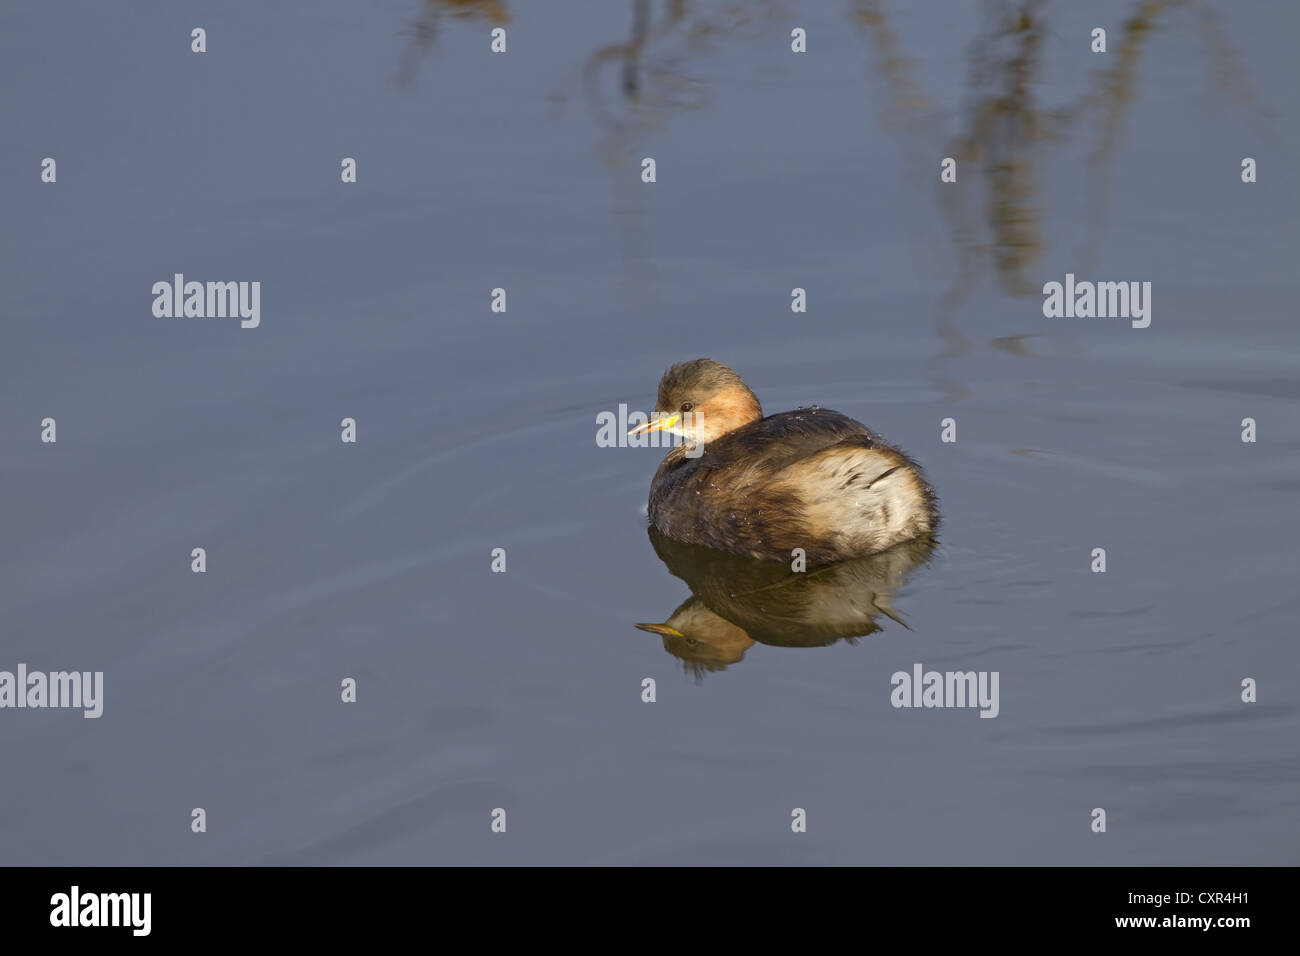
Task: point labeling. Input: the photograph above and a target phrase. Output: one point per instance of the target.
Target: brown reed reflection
(424, 30)
(632, 86)
(1006, 132)
(631, 89)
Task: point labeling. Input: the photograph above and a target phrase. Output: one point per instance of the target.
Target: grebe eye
(687, 406)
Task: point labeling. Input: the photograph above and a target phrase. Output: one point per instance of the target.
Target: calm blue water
(476, 430)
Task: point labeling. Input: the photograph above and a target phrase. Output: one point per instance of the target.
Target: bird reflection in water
(738, 602)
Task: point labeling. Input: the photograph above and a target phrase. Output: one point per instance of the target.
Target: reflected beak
(663, 629)
(655, 425)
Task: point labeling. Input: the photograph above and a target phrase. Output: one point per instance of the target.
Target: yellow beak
(663, 629)
(655, 425)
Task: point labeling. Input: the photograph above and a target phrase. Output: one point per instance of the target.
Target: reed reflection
(1007, 133)
(424, 30)
(1004, 134)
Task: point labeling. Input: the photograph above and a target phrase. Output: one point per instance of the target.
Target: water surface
(476, 430)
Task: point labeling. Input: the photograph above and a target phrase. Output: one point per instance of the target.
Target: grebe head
(700, 401)
(701, 639)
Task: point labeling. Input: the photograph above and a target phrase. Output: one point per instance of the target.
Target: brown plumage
(811, 478)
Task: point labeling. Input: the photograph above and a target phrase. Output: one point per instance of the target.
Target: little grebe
(811, 479)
